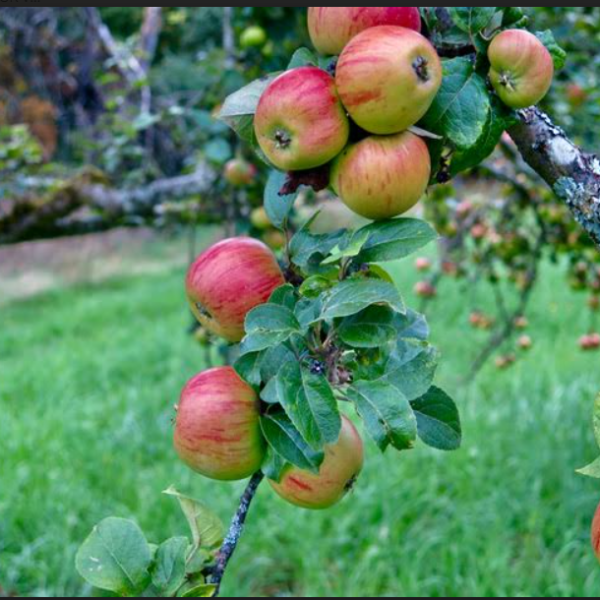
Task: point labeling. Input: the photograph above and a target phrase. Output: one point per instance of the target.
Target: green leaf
(308, 249)
(308, 312)
(352, 296)
(461, 109)
(559, 56)
(303, 57)
(597, 419)
(472, 19)
(274, 465)
(169, 570)
(370, 328)
(239, 108)
(268, 325)
(412, 368)
(438, 420)
(308, 401)
(247, 367)
(204, 590)
(207, 529)
(115, 558)
(349, 249)
(414, 327)
(388, 416)
(592, 470)
(286, 441)
(284, 296)
(278, 207)
(395, 239)
(218, 151)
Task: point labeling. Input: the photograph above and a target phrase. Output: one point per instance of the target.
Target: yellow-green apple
(382, 177)
(332, 27)
(260, 219)
(522, 69)
(239, 172)
(387, 78)
(217, 431)
(228, 280)
(596, 533)
(274, 239)
(338, 473)
(253, 37)
(300, 122)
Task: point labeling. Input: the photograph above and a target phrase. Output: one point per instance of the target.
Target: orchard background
(115, 174)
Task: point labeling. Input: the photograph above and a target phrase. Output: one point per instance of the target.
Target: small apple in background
(596, 533)
(590, 342)
(576, 95)
(275, 239)
(332, 27)
(337, 475)
(382, 177)
(424, 289)
(228, 280)
(300, 122)
(260, 219)
(525, 342)
(521, 323)
(387, 78)
(475, 319)
(253, 37)
(522, 68)
(594, 303)
(464, 209)
(217, 430)
(239, 172)
(506, 361)
(423, 264)
(479, 231)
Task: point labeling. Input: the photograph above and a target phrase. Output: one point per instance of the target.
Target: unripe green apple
(596, 533)
(260, 219)
(230, 279)
(239, 172)
(332, 27)
(275, 239)
(300, 122)
(339, 471)
(522, 68)
(382, 177)
(217, 431)
(387, 78)
(253, 37)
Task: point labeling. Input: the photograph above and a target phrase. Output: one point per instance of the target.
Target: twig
(235, 531)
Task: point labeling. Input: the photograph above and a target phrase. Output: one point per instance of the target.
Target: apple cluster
(217, 432)
(357, 120)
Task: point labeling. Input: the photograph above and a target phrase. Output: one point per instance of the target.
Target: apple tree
(325, 346)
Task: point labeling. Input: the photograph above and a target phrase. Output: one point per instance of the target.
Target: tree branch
(235, 531)
(573, 174)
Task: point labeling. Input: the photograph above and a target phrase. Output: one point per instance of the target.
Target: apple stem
(235, 531)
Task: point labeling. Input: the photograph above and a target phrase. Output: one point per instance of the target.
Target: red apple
(339, 471)
(332, 27)
(387, 78)
(424, 289)
(300, 122)
(230, 279)
(382, 177)
(217, 431)
(596, 533)
(239, 172)
(423, 264)
(522, 68)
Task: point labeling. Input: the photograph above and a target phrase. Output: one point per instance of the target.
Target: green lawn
(88, 378)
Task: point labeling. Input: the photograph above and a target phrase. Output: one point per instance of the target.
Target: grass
(88, 378)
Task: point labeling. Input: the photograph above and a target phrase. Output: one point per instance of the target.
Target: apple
(240, 173)
(253, 37)
(521, 323)
(424, 289)
(596, 533)
(332, 27)
(504, 362)
(275, 239)
(522, 69)
(423, 264)
(337, 475)
(382, 177)
(594, 303)
(590, 342)
(300, 122)
(387, 78)
(525, 342)
(576, 95)
(228, 280)
(217, 430)
(260, 219)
